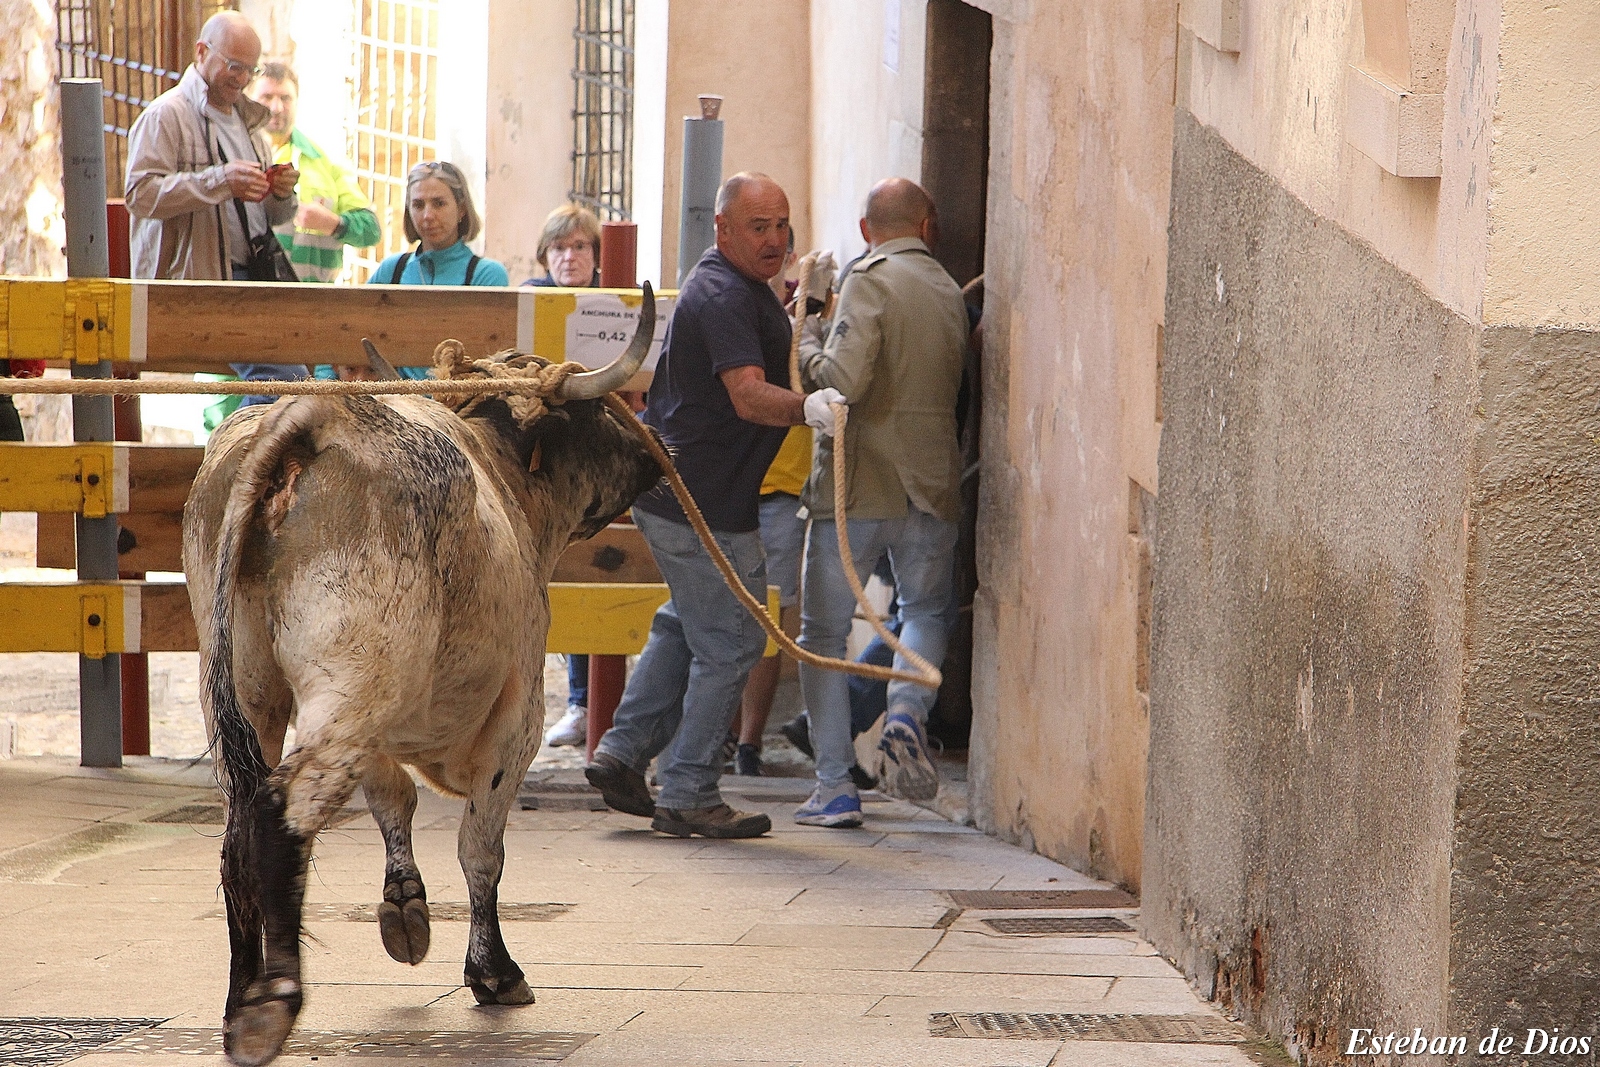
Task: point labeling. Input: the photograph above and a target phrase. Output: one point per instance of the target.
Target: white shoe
(571, 730)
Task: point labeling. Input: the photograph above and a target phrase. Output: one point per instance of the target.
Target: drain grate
(439, 911)
(1056, 1026)
(470, 1046)
(54, 1040)
(1015, 899)
(1092, 924)
(212, 815)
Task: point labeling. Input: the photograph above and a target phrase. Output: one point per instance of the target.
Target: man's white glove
(823, 275)
(819, 416)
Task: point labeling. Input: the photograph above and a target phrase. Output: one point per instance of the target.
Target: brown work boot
(720, 821)
(622, 787)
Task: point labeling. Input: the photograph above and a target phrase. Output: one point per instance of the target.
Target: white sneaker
(571, 730)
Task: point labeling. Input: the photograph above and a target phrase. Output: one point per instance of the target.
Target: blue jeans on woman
(684, 691)
(921, 550)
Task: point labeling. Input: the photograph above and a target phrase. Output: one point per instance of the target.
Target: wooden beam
(165, 623)
(146, 541)
(618, 553)
(87, 478)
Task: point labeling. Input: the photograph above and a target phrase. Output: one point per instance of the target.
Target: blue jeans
(921, 552)
(264, 372)
(684, 691)
(578, 679)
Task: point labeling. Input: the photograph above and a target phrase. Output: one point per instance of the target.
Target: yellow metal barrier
(82, 319)
(605, 619)
(89, 479)
(89, 617)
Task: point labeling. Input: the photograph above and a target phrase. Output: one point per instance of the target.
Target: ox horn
(589, 384)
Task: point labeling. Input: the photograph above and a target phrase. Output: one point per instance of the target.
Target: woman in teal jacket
(441, 218)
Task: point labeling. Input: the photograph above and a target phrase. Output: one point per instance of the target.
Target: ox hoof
(405, 930)
(489, 991)
(257, 1030)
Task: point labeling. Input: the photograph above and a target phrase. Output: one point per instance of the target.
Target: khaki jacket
(895, 351)
(176, 191)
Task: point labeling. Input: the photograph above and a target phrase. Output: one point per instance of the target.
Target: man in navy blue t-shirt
(721, 402)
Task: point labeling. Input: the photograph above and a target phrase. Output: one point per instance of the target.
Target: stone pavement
(814, 947)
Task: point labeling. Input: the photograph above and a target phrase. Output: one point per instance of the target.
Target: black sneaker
(622, 787)
(797, 731)
(720, 821)
(863, 781)
(747, 761)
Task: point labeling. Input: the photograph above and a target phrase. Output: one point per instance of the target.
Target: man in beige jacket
(895, 351)
(197, 155)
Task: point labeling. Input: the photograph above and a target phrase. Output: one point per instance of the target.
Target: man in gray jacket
(197, 155)
(895, 351)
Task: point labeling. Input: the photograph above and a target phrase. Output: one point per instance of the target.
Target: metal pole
(83, 173)
(702, 176)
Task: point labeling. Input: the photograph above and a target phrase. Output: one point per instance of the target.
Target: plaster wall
(754, 55)
(32, 225)
(855, 90)
(1280, 102)
(1544, 241)
(1309, 613)
(528, 168)
(1080, 157)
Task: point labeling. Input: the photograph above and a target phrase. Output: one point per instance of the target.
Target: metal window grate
(602, 108)
(396, 58)
(138, 49)
(44, 1041)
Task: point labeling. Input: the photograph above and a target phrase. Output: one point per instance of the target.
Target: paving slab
(808, 947)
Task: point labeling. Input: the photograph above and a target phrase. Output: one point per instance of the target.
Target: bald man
(894, 349)
(197, 185)
(721, 402)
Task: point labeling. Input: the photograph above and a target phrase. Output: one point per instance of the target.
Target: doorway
(955, 172)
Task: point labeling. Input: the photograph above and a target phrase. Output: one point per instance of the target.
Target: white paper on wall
(601, 326)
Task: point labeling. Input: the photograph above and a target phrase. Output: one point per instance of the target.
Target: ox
(376, 572)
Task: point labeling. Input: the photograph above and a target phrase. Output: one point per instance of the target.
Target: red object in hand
(27, 368)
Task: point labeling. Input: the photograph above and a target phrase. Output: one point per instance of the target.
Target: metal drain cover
(1091, 924)
(56, 1040)
(1016, 899)
(470, 1046)
(1056, 1026)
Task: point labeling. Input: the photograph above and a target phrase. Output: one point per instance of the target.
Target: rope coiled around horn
(450, 362)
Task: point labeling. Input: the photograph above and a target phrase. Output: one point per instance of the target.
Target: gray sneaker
(908, 770)
(720, 821)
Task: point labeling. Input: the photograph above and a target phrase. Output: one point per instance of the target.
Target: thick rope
(802, 294)
(135, 386)
(931, 678)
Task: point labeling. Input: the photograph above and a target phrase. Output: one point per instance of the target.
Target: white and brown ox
(376, 572)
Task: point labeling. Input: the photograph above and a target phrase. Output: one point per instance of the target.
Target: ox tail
(242, 770)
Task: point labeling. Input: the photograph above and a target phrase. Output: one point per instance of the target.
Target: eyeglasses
(235, 67)
(431, 165)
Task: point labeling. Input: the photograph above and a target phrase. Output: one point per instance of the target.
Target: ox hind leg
(492, 974)
(403, 914)
(297, 801)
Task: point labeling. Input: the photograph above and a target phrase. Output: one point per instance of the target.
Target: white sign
(891, 35)
(599, 329)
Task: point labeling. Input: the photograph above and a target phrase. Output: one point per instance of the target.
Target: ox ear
(591, 384)
(380, 366)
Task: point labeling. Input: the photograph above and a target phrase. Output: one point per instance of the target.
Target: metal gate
(602, 108)
(138, 49)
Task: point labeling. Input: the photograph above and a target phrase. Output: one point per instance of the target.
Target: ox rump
(376, 571)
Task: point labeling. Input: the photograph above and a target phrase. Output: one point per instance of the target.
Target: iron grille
(138, 49)
(1059, 1026)
(1068, 925)
(999, 899)
(602, 108)
(397, 80)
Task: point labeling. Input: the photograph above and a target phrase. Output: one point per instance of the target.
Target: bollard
(702, 176)
(619, 255)
(83, 179)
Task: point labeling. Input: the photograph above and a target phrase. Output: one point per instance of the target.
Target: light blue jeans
(921, 552)
(684, 691)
